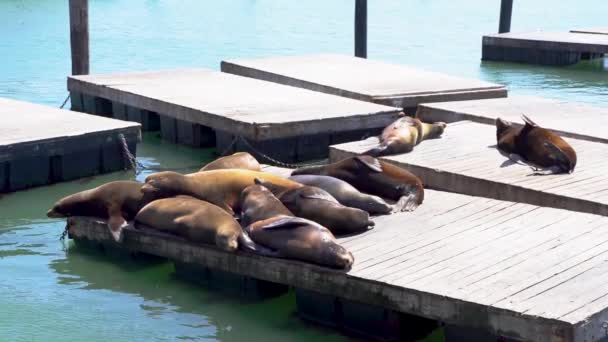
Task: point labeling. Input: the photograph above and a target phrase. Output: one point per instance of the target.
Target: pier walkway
(570, 119)
(41, 145)
(201, 107)
(465, 160)
(543, 47)
(516, 270)
(364, 79)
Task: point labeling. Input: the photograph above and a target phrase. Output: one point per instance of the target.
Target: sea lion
(117, 201)
(376, 177)
(239, 160)
(258, 203)
(345, 193)
(402, 135)
(537, 146)
(193, 219)
(220, 187)
(318, 205)
(302, 239)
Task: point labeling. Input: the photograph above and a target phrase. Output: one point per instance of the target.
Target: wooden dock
(364, 79)
(592, 30)
(541, 47)
(515, 270)
(201, 107)
(570, 119)
(465, 160)
(41, 145)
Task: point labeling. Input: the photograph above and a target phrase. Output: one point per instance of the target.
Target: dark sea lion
(345, 193)
(376, 177)
(318, 205)
(193, 219)
(117, 201)
(258, 203)
(537, 146)
(301, 239)
(239, 160)
(402, 135)
(220, 187)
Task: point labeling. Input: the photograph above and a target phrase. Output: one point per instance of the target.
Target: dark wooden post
(361, 28)
(506, 7)
(79, 36)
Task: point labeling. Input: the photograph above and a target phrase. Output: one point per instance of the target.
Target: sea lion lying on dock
(318, 205)
(220, 187)
(345, 193)
(118, 202)
(535, 145)
(402, 135)
(376, 177)
(288, 236)
(238, 160)
(193, 219)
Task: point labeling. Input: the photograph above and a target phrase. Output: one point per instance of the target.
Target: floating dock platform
(570, 119)
(483, 267)
(364, 79)
(465, 160)
(41, 145)
(540, 47)
(207, 108)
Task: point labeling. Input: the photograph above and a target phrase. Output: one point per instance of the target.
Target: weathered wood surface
(592, 30)
(243, 106)
(465, 160)
(79, 36)
(548, 40)
(364, 79)
(571, 119)
(513, 269)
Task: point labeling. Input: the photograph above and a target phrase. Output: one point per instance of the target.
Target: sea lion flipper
(558, 155)
(286, 222)
(246, 244)
(321, 195)
(376, 151)
(371, 162)
(528, 121)
(116, 223)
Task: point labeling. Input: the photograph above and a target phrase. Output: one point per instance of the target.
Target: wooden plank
(364, 79)
(465, 161)
(546, 40)
(570, 119)
(243, 106)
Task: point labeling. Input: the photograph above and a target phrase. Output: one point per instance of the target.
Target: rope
(66, 101)
(129, 157)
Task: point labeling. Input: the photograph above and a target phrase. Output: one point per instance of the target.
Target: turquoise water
(47, 293)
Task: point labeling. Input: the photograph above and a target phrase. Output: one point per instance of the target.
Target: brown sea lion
(402, 135)
(193, 219)
(301, 239)
(117, 201)
(258, 203)
(318, 205)
(239, 160)
(220, 187)
(345, 193)
(376, 177)
(535, 145)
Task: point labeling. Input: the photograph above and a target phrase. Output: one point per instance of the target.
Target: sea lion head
(338, 256)
(227, 242)
(501, 127)
(275, 189)
(436, 130)
(68, 206)
(164, 184)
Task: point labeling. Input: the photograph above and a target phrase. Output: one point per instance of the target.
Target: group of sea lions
(232, 204)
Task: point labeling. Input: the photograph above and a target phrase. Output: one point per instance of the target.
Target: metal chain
(278, 162)
(135, 165)
(66, 101)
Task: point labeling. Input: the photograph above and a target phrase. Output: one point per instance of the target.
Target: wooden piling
(361, 28)
(79, 36)
(506, 8)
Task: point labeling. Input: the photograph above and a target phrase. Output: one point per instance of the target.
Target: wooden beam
(79, 36)
(506, 8)
(361, 28)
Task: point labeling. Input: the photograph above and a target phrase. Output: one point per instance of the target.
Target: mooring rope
(129, 157)
(64, 102)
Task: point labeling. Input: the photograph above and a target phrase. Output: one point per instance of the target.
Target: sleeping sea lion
(374, 176)
(537, 146)
(318, 205)
(239, 160)
(220, 187)
(117, 201)
(194, 220)
(402, 135)
(345, 193)
(258, 203)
